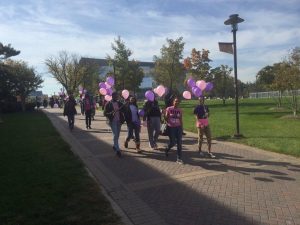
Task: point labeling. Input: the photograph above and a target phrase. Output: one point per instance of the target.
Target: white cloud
(41, 29)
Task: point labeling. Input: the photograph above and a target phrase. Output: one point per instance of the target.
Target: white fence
(272, 94)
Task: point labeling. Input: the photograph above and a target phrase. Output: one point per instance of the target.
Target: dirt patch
(278, 109)
(291, 117)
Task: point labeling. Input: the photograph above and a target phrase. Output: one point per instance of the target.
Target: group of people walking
(119, 112)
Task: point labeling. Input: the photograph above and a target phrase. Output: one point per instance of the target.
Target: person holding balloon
(174, 121)
(133, 123)
(114, 111)
(152, 114)
(201, 113)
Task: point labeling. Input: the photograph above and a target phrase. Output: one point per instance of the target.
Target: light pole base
(238, 136)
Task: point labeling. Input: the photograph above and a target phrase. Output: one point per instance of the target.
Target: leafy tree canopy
(7, 51)
(169, 70)
(68, 71)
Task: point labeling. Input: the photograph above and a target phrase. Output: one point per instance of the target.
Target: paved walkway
(243, 185)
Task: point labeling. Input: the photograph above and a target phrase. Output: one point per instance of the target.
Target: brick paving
(243, 185)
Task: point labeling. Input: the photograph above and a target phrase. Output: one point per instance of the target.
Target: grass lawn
(261, 124)
(42, 182)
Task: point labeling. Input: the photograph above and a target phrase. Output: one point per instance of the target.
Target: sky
(40, 29)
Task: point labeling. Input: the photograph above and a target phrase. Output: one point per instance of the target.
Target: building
(104, 68)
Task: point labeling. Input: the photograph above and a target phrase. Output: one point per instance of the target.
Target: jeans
(71, 121)
(116, 129)
(153, 128)
(136, 128)
(88, 118)
(175, 136)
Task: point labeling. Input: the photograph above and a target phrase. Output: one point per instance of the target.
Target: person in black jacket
(114, 111)
(70, 111)
(201, 113)
(88, 105)
(133, 123)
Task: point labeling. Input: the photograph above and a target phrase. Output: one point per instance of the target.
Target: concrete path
(243, 185)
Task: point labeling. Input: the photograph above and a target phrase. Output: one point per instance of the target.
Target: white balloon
(125, 94)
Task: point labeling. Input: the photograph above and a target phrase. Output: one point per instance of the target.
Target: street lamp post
(233, 20)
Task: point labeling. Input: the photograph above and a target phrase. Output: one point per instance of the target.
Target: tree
(198, 64)
(135, 76)
(22, 80)
(7, 51)
(120, 63)
(7, 80)
(265, 78)
(168, 69)
(287, 77)
(223, 82)
(68, 71)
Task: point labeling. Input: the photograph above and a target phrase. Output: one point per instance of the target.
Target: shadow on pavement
(204, 191)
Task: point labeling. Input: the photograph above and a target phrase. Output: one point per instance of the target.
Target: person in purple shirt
(174, 121)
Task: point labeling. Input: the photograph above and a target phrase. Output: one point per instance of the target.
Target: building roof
(104, 62)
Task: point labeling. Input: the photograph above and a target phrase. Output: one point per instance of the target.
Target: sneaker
(119, 154)
(179, 161)
(201, 154)
(211, 155)
(155, 147)
(90, 127)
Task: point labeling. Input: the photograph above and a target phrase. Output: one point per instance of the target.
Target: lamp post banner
(226, 47)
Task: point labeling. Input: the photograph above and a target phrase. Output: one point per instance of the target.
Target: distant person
(45, 103)
(37, 102)
(152, 114)
(133, 123)
(114, 111)
(88, 104)
(70, 111)
(201, 113)
(174, 121)
(93, 109)
(51, 102)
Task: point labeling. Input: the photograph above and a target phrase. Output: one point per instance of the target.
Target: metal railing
(272, 94)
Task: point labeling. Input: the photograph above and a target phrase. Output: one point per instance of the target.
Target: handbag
(202, 123)
(164, 130)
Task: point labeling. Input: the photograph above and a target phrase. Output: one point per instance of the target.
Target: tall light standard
(233, 20)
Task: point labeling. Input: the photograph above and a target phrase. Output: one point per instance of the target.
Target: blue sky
(41, 29)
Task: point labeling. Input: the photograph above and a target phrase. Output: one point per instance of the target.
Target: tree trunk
(23, 104)
(279, 99)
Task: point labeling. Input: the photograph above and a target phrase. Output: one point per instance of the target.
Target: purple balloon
(141, 112)
(209, 86)
(108, 91)
(149, 95)
(110, 81)
(197, 91)
(191, 82)
(102, 85)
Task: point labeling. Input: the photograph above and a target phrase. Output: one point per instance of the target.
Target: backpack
(87, 105)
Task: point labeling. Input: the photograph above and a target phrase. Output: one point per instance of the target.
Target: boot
(126, 144)
(137, 147)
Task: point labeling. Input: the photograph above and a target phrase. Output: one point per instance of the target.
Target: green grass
(261, 124)
(42, 182)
